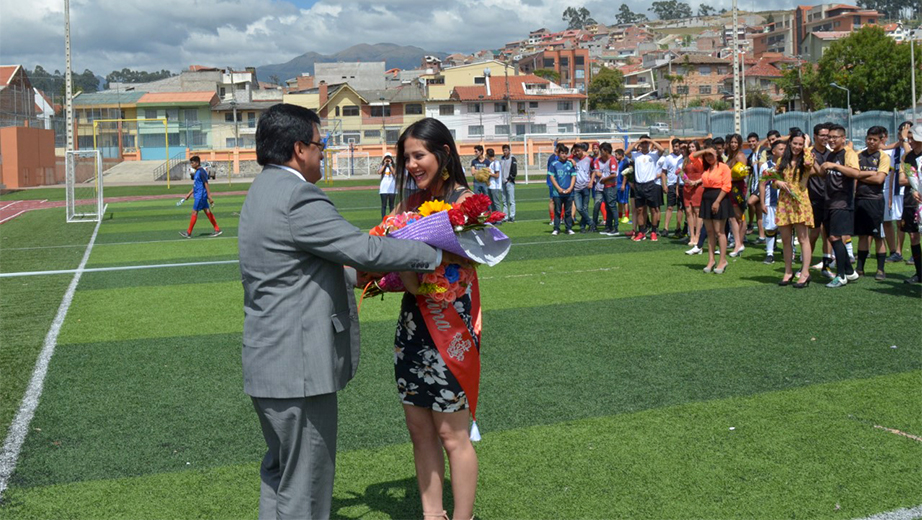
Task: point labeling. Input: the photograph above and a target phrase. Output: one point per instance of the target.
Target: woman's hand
(715, 207)
(410, 281)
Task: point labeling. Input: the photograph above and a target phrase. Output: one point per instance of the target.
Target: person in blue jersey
(202, 198)
(562, 174)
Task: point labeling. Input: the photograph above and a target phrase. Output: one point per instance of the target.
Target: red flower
(475, 205)
(496, 216)
(456, 217)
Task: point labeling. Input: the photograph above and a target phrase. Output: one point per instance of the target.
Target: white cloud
(172, 34)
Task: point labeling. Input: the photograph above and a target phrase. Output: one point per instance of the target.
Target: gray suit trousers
(297, 471)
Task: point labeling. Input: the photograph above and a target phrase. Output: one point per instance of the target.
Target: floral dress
(790, 211)
(423, 378)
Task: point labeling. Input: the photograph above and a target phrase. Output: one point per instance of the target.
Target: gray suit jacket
(300, 328)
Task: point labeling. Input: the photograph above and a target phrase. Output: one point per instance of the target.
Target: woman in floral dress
(435, 405)
(794, 211)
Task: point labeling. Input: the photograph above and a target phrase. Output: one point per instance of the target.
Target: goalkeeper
(202, 198)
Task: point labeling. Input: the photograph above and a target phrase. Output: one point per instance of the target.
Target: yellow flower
(433, 206)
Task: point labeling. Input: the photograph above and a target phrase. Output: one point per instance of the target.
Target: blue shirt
(562, 172)
(550, 160)
(198, 188)
(621, 166)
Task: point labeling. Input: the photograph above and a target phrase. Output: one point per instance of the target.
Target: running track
(12, 209)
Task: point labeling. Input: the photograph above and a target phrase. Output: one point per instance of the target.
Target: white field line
(898, 432)
(114, 268)
(550, 273)
(898, 514)
(20, 426)
(10, 204)
(11, 217)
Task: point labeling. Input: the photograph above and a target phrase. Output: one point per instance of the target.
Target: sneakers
(769, 260)
(853, 277)
(185, 234)
(653, 237)
(760, 240)
(837, 282)
(605, 232)
(583, 230)
(895, 257)
(638, 237)
(555, 233)
(880, 276)
(827, 273)
(217, 233)
(817, 266)
(913, 279)
(571, 232)
(694, 251)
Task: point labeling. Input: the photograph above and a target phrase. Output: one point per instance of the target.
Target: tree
(275, 79)
(577, 18)
(606, 89)
(626, 16)
(854, 63)
(86, 82)
(892, 9)
(46, 81)
(706, 10)
(801, 84)
(127, 75)
(671, 10)
(758, 99)
(769, 19)
(548, 74)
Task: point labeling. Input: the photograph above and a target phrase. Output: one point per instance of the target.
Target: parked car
(659, 128)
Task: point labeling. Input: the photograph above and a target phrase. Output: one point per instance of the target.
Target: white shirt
(388, 184)
(672, 164)
(496, 183)
(645, 169)
(292, 170)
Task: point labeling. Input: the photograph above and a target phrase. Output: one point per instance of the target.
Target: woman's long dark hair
(788, 158)
(435, 136)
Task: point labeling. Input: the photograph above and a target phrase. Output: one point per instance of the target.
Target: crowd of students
(790, 186)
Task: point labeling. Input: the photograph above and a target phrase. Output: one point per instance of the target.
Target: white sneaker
(694, 251)
(852, 277)
(555, 233)
(817, 266)
(571, 232)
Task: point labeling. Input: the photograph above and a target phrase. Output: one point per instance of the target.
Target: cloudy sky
(172, 34)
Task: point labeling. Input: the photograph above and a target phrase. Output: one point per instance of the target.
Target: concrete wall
(28, 157)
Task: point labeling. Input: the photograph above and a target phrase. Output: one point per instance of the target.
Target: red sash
(454, 341)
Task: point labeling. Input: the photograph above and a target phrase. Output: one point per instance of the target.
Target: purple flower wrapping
(487, 246)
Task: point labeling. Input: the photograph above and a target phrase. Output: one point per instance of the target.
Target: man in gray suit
(300, 329)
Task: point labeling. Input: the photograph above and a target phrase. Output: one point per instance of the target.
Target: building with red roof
(17, 99)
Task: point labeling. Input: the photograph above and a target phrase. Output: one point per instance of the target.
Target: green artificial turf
(612, 372)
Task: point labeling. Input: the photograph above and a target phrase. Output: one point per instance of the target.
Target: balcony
(524, 116)
(550, 91)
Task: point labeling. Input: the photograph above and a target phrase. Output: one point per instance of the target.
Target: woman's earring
(445, 174)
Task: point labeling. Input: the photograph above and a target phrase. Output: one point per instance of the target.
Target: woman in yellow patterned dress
(794, 210)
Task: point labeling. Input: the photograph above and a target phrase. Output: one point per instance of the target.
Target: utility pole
(736, 70)
(68, 81)
(743, 76)
(912, 60)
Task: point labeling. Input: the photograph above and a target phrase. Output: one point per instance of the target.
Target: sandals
(441, 515)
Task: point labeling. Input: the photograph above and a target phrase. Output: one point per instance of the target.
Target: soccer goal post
(83, 177)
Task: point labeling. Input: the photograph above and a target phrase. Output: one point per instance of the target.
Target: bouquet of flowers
(482, 174)
(915, 182)
(773, 175)
(465, 229)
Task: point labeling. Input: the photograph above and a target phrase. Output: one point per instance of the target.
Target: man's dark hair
(676, 142)
(562, 148)
(584, 146)
(278, 130)
(195, 158)
(620, 150)
(779, 142)
(837, 128)
(645, 136)
(773, 133)
(718, 141)
(491, 152)
(708, 143)
(817, 128)
(507, 147)
(606, 147)
(751, 135)
(478, 148)
(877, 131)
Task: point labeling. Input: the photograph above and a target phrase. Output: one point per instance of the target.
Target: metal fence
(704, 121)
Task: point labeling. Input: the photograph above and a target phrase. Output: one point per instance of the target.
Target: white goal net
(83, 179)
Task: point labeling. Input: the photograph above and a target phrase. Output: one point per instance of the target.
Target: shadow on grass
(396, 499)
(898, 288)
(766, 279)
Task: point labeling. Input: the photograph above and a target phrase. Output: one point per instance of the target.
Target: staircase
(175, 166)
(131, 172)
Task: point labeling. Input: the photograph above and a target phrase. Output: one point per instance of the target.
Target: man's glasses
(319, 144)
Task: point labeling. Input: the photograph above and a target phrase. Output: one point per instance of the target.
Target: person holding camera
(388, 187)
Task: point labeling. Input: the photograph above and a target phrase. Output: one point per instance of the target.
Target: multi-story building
(360, 75)
(818, 41)
(114, 139)
(440, 84)
(789, 30)
(500, 109)
(572, 65)
(188, 121)
(701, 76)
(17, 100)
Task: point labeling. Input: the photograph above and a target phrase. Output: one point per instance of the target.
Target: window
(565, 128)
(474, 108)
(704, 89)
(172, 114)
(580, 74)
(223, 92)
(548, 63)
(251, 119)
(372, 134)
(354, 136)
(538, 129)
(500, 107)
(532, 104)
(337, 111)
(453, 133)
(190, 115)
(392, 136)
(682, 89)
(564, 106)
(475, 130)
(413, 109)
(150, 114)
(642, 79)
(857, 20)
(704, 70)
(520, 107)
(480, 80)
(350, 111)
(446, 110)
(439, 80)
(579, 61)
(380, 111)
(230, 143)
(501, 130)
(722, 70)
(229, 117)
(564, 62)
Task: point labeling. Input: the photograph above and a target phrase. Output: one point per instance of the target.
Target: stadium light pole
(912, 60)
(68, 81)
(848, 101)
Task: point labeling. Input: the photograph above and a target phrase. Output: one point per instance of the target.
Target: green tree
(606, 89)
(671, 10)
(801, 84)
(46, 81)
(626, 16)
(758, 99)
(706, 10)
(770, 19)
(85, 82)
(856, 63)
(548, 74)
(127, 75)
(577, 18)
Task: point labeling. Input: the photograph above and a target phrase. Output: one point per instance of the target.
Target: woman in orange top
(693, 168)
(715, 206)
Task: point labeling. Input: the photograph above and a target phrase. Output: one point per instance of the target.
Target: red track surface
(12, 209)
